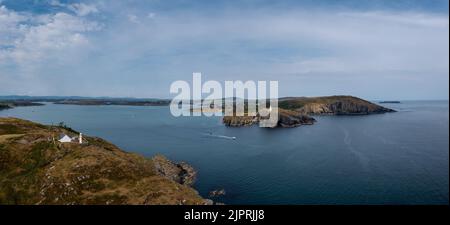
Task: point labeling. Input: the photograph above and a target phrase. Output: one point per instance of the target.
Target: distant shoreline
(114, 102)
(9, 102)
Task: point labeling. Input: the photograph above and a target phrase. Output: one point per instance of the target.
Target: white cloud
(404, 48)
(320, 48)
(318, 41)
(81, 9)
(63, 31)
(9, 26)
(33, 41)
(410, 18)
(133, 18)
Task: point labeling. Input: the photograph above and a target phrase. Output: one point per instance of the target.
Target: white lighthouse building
(66, 139)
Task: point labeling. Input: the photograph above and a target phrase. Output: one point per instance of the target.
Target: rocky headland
(37, 169)
(297, 111)
(331, 105)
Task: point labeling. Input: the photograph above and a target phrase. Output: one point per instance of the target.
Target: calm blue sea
(394, 158)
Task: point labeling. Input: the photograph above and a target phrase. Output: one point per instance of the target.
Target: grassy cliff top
(339, 104)
(36, 169)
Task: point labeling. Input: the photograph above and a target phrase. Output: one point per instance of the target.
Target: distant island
(8, 102)
(17, 103)
(114, 102)
(389, 102)
(332, 105)
(35, 168)
(297, 111)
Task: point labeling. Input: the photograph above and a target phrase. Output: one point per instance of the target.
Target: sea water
(392, 158)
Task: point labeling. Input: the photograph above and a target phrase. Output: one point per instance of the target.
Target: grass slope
(35, 169)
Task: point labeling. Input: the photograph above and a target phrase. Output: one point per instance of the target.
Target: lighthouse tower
(80, 138)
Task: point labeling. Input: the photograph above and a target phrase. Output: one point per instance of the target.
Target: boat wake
(211, 135)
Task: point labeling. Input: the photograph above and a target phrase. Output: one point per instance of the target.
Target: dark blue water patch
(393, 158)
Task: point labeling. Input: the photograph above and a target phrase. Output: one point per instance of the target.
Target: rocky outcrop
(293, 119)
(239, 121)
(181, 173)
(286, 118)
(36, 169)
(217, 193)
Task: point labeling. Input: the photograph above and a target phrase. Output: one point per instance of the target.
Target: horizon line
(159, 98)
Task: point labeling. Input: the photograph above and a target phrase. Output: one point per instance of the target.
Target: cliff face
(286, 118)
(36, 169)
(293, 119)
(239, 121)
(332, 105)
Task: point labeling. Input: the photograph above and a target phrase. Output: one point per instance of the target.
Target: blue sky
(372, 49)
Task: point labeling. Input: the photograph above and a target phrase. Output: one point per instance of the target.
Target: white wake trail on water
(362, 159)
(211, 135)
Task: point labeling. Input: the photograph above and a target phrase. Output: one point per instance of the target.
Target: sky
(379, 50)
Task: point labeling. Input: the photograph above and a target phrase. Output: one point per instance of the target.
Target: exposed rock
(181, 173)
(239, 121)
(216, 193)
(286, 118)
(293, 119)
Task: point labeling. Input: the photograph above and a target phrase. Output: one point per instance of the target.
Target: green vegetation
(9, 129)
(334, 105)
(291, 105)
